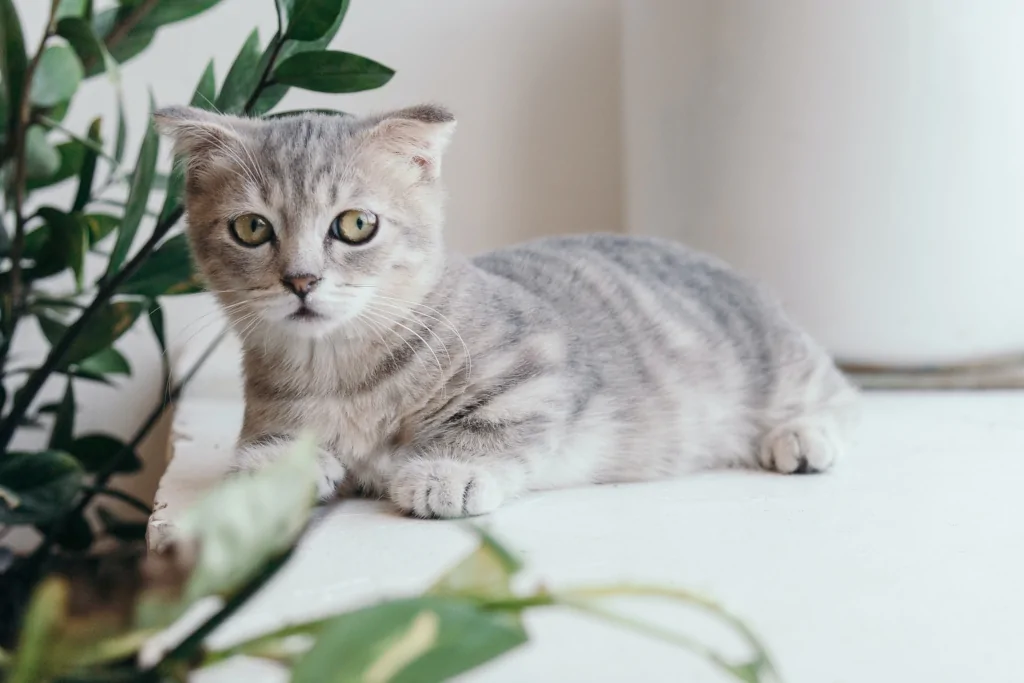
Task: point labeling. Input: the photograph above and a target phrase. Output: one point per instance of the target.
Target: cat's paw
(445, 489)
(254, 457)
(800, 448)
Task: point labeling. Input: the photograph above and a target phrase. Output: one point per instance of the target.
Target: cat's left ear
(420, 134)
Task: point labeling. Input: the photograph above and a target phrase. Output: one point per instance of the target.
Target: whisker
(428, 328)
(449, 323)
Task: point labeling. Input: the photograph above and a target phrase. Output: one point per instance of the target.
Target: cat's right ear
(201, 138)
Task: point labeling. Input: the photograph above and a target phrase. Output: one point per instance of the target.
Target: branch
(27, 394)
(20, 173)
(265, 76)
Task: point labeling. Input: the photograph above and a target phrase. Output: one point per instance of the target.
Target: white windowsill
(903, 564)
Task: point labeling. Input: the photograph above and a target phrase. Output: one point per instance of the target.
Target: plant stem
(20, 134)
(27, 393)
(117, 494)
(91, 144)
(265, 76)
(188, 647)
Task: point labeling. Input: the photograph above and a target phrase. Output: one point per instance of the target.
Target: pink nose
(300, 285)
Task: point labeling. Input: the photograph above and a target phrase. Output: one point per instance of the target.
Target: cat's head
(302, 223)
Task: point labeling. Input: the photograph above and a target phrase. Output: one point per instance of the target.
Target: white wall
(535, 84)
(865, 158)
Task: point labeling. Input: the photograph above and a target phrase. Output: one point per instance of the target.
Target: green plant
(234, 541)
(48, 254)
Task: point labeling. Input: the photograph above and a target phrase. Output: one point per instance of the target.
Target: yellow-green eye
(354, 226)
(252, 230)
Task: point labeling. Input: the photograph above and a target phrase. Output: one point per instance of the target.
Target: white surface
(864, 158)
(903, 564)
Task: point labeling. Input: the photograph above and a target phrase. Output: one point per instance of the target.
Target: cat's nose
(301, 285)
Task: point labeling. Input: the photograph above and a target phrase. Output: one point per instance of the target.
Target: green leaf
(80, 35)
(13, 60)
(97, 451)
(72, 8)
(156, 321)
(44, 483)
(74, 533)
(71, 155)
(107, 362)
(64, 425)
(34, 659)
(203, 97)
(57, 76)
(332, 72)
(171, 11)
(312, 19)
(41, 159)
(137, 197)
(167, 271)
(68, 240)
(100, 225)
(102, 330)
(88, 169)
(420, 640)
(240, 527)
(242, 77)
(485, 572)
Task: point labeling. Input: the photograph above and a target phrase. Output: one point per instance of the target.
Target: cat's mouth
(304, 312)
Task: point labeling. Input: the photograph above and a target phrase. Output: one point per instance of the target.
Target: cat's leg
(446, 487)
(255, 452)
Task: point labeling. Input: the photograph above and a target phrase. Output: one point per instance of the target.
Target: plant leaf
(41, 159)
(74, 532)
(88, 168)
(167, 271)
(64, 425)
(312, 19)
(240, 527)
(71, 155)
(332, 72)
(242, 77)
(135, 208)
(57, 76)
(46, 611)
(171, 11)
(103, 330)
(13, 60)
(156, 321)
(275, 92)
(72, 8)
(68, 240)
(419, 640)
(45, 484)
(96, 451)
(107, 362)
(485, 572)
(203, 97)
(100, 225)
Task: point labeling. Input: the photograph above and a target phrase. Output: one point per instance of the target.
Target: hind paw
(800, 449)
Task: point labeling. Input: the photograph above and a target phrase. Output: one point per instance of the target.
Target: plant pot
(864, 159)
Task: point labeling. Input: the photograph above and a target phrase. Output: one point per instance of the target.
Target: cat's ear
(201, 138)
(420, 134)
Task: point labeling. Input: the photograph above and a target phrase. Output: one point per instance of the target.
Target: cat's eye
(354, 226)
(252, 230)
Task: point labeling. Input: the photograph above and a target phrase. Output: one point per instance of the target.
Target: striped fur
(454, 384)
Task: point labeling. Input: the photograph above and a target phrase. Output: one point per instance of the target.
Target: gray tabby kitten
(451, 384)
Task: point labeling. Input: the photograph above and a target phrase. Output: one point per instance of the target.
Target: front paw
(254, 457)
(445, 489)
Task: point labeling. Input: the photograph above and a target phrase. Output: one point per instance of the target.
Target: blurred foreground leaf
(37, 487)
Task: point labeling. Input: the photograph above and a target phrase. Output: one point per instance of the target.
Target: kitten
(450, 384)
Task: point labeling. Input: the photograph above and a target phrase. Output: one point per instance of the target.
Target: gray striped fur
(452, 384)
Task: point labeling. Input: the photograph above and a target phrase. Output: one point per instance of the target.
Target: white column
(865, 158)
